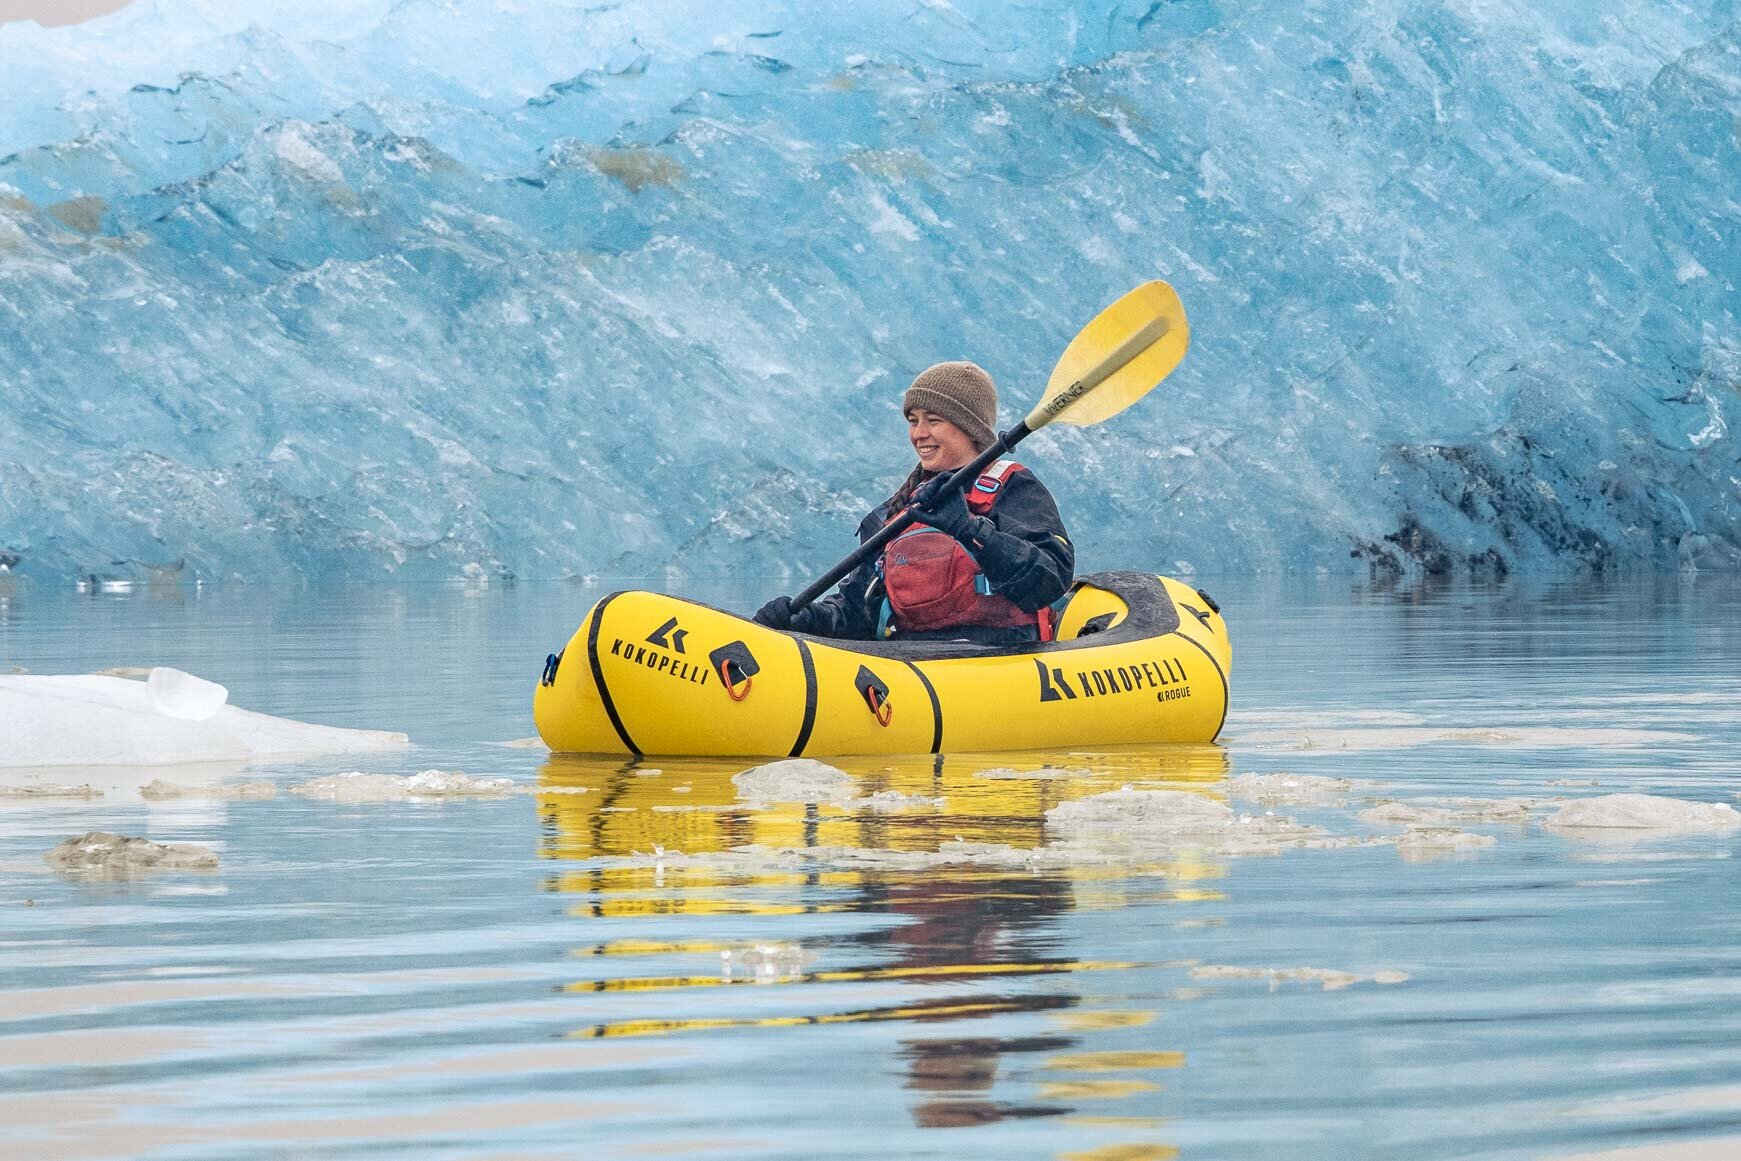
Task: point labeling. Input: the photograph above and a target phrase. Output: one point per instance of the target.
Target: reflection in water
(1120, 1152)
(415, 960)
(953, 1073)
(969, 936)
(690, 804)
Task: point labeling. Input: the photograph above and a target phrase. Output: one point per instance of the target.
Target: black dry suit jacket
(1028, 560)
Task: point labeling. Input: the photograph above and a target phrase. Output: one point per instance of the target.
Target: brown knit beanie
(962, 393)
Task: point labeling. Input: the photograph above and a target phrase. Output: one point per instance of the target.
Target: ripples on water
(542, 976)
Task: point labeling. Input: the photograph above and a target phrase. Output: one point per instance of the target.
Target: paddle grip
(954, 482)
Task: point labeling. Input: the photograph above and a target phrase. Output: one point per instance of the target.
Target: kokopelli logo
(668, 636)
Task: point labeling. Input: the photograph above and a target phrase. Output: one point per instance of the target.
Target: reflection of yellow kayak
(1138, 658)
(596, 805)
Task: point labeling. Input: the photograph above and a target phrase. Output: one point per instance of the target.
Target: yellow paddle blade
(1117, 359)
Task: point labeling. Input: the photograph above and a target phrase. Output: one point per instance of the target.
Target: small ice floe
(157, 790)
(1094, 847)
(1426, 843)
(1328, 978)
(427, 786)
(1449, 812)
(893, 802)
(1116, 829)
(1490, 809)
(1284, 789)
(1142, 810)
(50, 790)
(523, 744)
(764, 962)
(794, 780)
(117, 855)
(705, 808)
(1643, 813)
(1514, 738)
(1042, 774)
(170, 718)
(757, 858)
(1149, 822)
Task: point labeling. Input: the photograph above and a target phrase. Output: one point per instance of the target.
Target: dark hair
(905, 492)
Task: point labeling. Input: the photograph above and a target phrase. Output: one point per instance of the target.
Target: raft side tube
(653, 674)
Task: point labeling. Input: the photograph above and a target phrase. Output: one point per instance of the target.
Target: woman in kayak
(984, 563)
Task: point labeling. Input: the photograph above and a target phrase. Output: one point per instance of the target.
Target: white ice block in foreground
(94, 720)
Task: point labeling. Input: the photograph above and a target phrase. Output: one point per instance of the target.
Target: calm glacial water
(512, 978)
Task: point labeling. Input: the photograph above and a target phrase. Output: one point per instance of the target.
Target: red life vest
(933, 584)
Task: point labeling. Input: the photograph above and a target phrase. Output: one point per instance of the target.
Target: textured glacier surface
(520, 287)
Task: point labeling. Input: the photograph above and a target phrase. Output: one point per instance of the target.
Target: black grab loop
(551, 664)
(735, 665)
(876, 695)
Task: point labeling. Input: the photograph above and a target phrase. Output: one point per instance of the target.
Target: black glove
(778, 614)
(948, 514)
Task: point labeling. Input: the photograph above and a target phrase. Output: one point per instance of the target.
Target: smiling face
(941, 445)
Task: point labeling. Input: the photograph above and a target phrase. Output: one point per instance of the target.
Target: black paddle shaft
(954, 482)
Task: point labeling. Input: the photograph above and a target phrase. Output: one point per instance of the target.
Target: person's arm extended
(843, 613)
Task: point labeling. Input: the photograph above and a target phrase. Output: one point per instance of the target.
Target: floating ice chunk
(97, 720)
(1423, 843)
(50, 790)
(1404, 814)
(794, 780)
(1043, 773)
(764, 962)
(758, 858)
(705, 808)
(117, 855)
(1150, 809)
(1331, 979)
(157, 790)
(1284, 789)
(1644, 812)
(1120, 823)
(1514, 810)
(182, 695)
(1489, 809)
(1520, 738)
(1241, 835)
(357, 786)
(893, 801)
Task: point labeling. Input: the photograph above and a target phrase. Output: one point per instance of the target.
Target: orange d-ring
(883, 710)
(725, 679)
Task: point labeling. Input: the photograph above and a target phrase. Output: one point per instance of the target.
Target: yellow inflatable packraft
(1138, 658)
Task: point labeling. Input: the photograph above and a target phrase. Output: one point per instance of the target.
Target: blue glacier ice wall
(544, 289)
